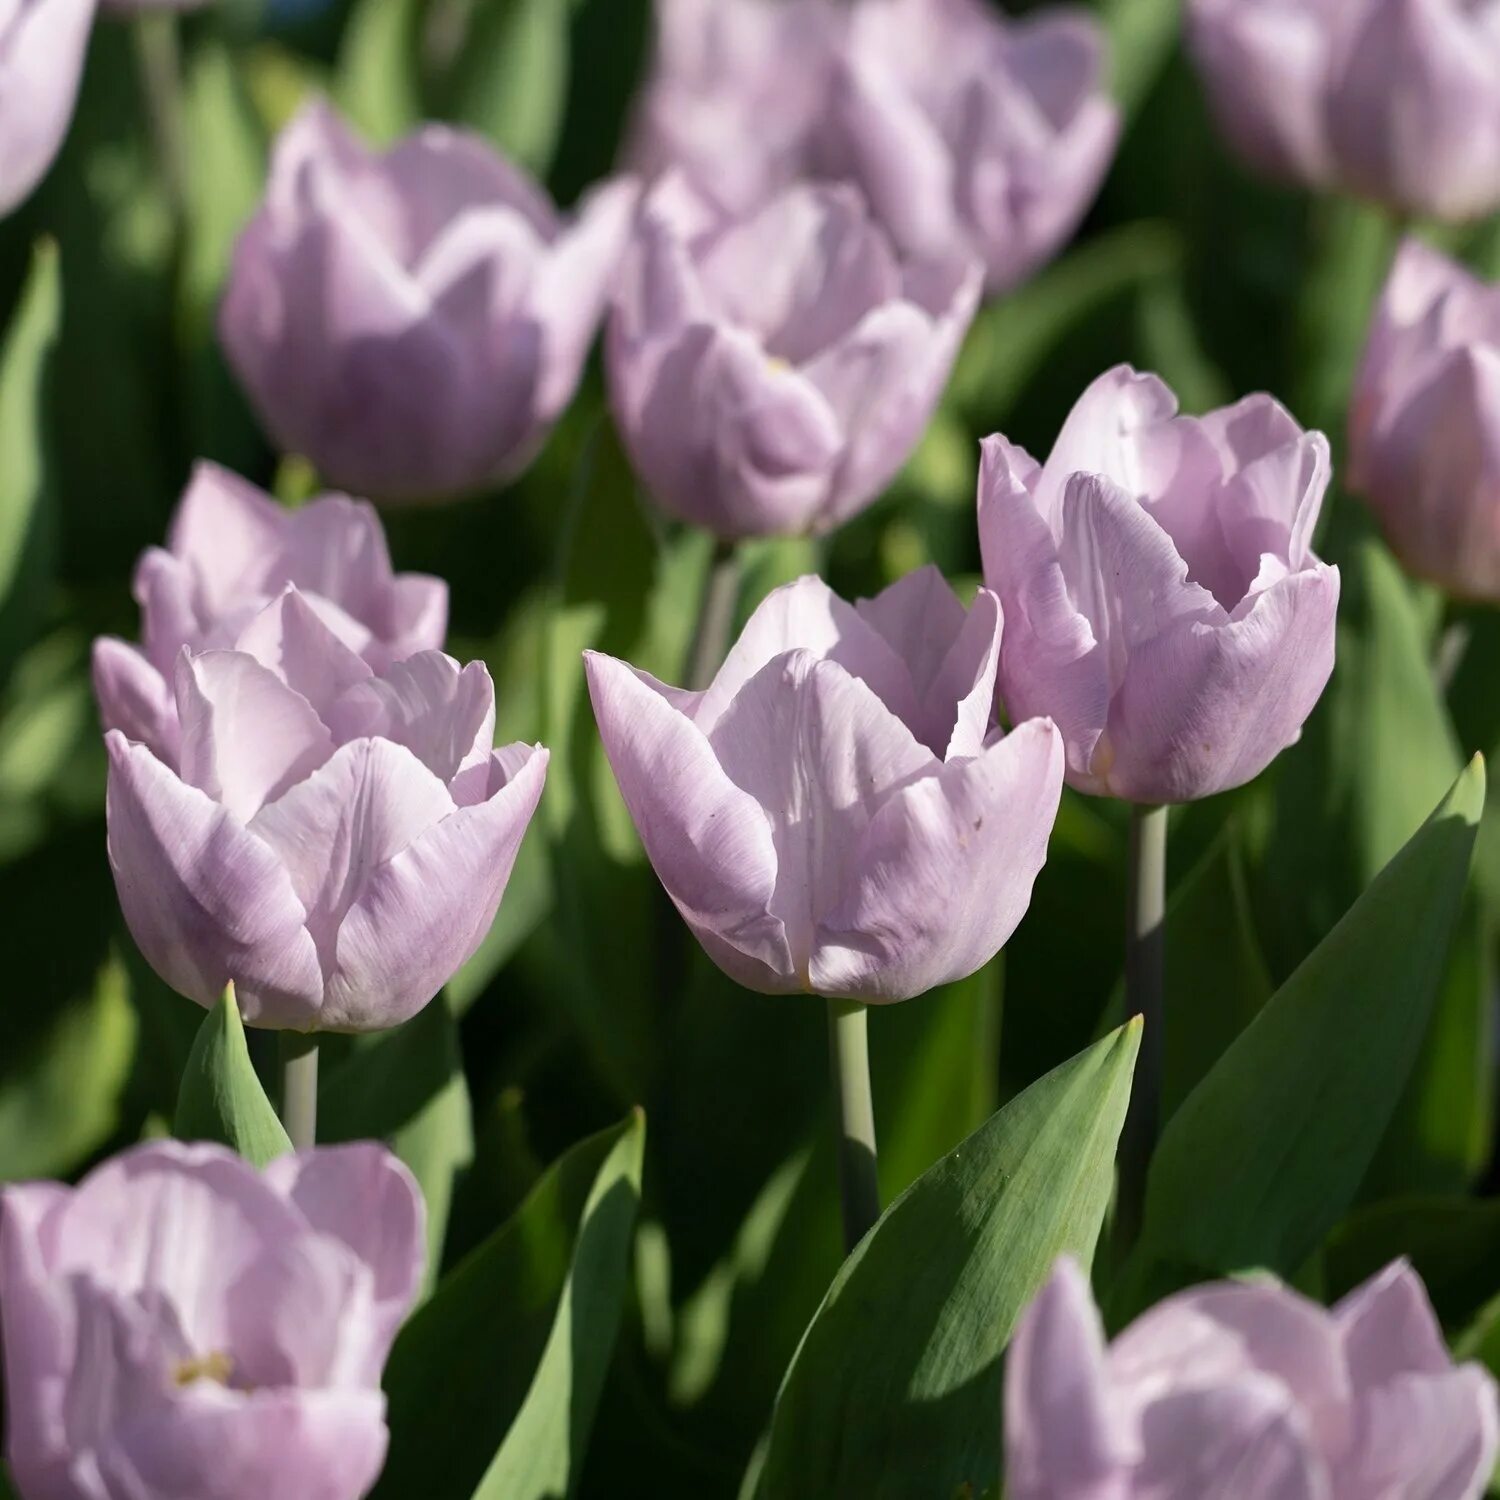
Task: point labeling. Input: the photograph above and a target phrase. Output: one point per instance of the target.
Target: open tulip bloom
(231, 551)
(1246, 1391)
(1395, 100)
(182, 1325)
(414, 323)
(333, 840)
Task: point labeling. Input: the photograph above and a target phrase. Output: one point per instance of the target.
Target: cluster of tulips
(851, 800)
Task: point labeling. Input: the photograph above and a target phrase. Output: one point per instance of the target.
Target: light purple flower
(333, 840)
(1397, 100)
(183, 1327)
(1162, 601)
(43, 44)
(834, 814)
(771, 374)
(1245, 1391)
(230, 552)
(971, 135)
(414, 323)
(1424, 426)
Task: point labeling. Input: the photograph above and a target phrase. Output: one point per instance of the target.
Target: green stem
(159, 63)
(849, 1059)
(1145, 945)
(299, 1087)
(721, 593)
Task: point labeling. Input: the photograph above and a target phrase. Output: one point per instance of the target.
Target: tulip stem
(1145, 945)
(299, 1087)
(849, 1059)
(721, 593)
(159, 62)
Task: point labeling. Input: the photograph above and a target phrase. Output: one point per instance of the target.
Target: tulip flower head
(333, 839)
(414, 323)
(1162, 602)
(1395, 100)
(1424, 428)
(42, 48)
(970, 135)
(1245, 1390)
(180, 1324)
(771, 374)
(833, 814)
(232, 551)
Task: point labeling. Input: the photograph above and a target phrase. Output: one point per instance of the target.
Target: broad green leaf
(376, 80)
(493, 1383)
(895, 1390)
(1142, 34)
(222, 1098)
(1268, 1151)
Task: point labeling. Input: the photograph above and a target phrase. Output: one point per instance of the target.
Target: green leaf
(222, 1098)
(895, 1390)
(494, 1383)
(1268, 1151)
(376, 83)
(1142, 34)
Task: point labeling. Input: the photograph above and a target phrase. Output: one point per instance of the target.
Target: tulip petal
(943, 874)
(225, 530)
(1389, 1329)
(41, 63)
(709, 842)
(419, 915)
(291, 639)
(205, 900)
(133, 697)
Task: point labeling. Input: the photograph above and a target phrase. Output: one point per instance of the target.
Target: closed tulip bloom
(180, 1325)
(414, 323)
(334, 840)
(1395, 100)
(1162, 601)
(42, 48)
(230, 552)
(1249, 1391)
(771, 374)
(833, 814)
(1424, 427)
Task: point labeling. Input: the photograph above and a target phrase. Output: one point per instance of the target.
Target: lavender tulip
(333, 840)
(1162, 601)
(42, 49)
(969, 134)
(414, 323)
(833, 814)
(1246, 1391)
(231, 551)
(1424, 429)
(771, 374)
(1396, 100)
(180, 1325)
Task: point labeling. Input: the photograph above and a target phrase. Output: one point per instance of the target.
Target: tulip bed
(742, 749)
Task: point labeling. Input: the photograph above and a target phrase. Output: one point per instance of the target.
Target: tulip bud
(833, 814)
(1395, 100)
(1246, 1390)
(181, 1324)
(230, 552)
(42, 48)
(333, 840)
(772, 374)
(414, 323)
(1424, 427)
(1162, 601)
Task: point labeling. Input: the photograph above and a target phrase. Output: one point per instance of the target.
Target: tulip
(1424, 428)
(333, 840)
(971, 136)
(771, 374)
(833, 815)
(414, 323)
(1162, 601)
(180, 1324)
(1246, 1390)
(1394, 100)
(42, 48)
(230, 552)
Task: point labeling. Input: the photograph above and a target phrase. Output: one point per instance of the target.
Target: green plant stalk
(299, 1088)
(721, 594)
(849, 1059)
(159, 64)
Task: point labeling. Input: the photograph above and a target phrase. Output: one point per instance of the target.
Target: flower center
(216, 1366)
